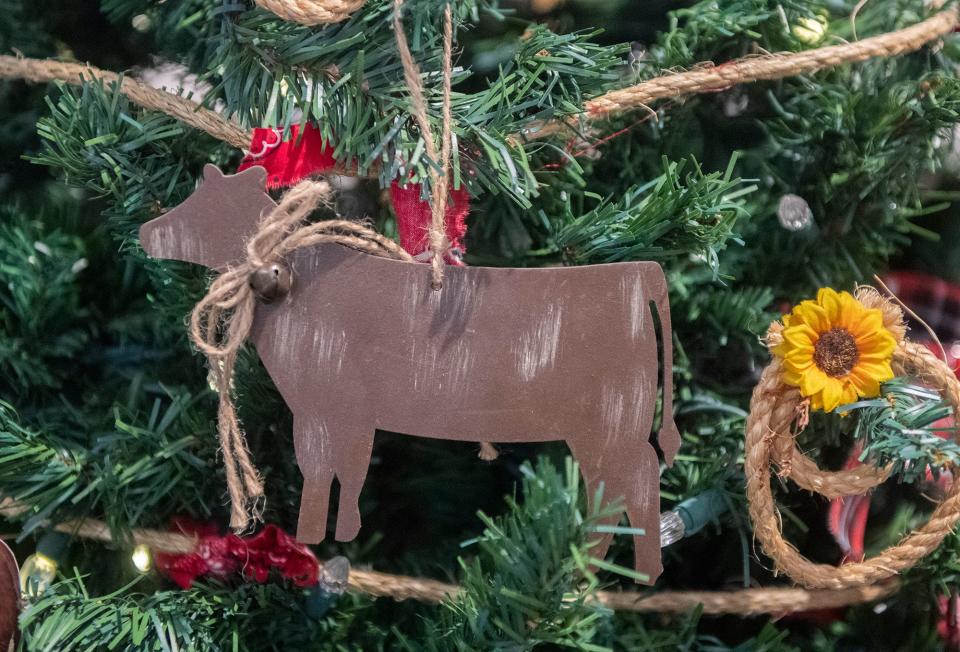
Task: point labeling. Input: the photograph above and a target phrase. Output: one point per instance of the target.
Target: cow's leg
(590, 457)
(315, 459)
(351, 461)
(637, 473)
(630, 473)
(642, 492)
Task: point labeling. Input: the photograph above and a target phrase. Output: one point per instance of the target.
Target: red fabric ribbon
(255, 556)
(289, 162)
(948, 624)
(413, 220)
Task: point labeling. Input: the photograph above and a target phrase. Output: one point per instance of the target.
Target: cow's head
(212, 226)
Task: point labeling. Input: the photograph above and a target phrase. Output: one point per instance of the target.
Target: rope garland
(743, 602)
(312, 12)
(221, 321)
(721, 77)
(187, 111)
(751, 69)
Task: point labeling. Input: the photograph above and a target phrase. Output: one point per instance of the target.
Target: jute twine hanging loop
(312, 12)
(439, 173)
(770, 439)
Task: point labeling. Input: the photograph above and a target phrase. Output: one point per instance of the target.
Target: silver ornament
(794, 213)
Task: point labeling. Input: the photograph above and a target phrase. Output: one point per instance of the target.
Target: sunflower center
(836, 352)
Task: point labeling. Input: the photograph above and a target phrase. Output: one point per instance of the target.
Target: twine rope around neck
(771, 439)
(221, 321)
(674, 85)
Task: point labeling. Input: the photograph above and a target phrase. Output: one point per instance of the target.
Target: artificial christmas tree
(756, 150)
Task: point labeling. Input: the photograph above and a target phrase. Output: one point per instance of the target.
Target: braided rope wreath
(771, 438)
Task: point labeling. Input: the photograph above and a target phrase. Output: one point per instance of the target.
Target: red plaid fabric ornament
(937, 302)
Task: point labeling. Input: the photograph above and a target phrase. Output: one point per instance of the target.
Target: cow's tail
(668, 438)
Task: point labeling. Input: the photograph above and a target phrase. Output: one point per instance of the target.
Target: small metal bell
(271, 281)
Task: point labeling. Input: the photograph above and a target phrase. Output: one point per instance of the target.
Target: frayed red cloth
(413, 220)
(254, 557)
(288, 161)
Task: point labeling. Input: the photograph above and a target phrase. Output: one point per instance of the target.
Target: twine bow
(221, 321)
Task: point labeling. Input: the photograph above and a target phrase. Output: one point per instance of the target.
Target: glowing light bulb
(794, 213)
(141, 22)
(142, 559)
(810, 30)
(37, 574)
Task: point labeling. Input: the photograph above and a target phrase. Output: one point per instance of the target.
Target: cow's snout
(155, 238)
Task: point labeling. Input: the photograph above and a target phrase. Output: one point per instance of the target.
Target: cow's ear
(257, 173)
(211, 171)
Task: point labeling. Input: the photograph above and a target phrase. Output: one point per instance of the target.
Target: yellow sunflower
(835, 350)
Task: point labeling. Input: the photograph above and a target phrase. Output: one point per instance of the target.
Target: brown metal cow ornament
(362, 343)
